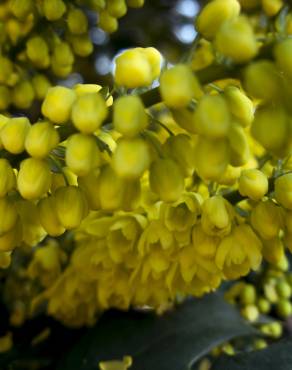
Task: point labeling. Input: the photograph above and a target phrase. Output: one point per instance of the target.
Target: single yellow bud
(82, 154)
(116, 8)
(7, 177)
(133, 69)
(263, 305)
(135, 3)
(211, 158)
(83, 89)
(180, 149)
(284, 308)
(5, 98)
(248, 294)
(8, 214)
(89, 112)
(267, 219)
(77, 21)
(130, 117)
(212, 116)
(81, 44)
(11, 238)
(236, 40)
(23, 94)
(107, 22)
(124, 364)
(71, 206)
(214, 14)
(111, 189)
(62, 59)
(270, 135)
(240, 105)
(21, 8)
(217, 216)
(42, 137)
(283, 190)
(239, 145)
(41, 85)
(48, 216)
(178, 86)
(89, 184)
(37, 51)
(203, 55)
(53, 9)
(34, 178)
(131, 158)
(250, 312)
(283, 289)
(58, 104)
(272, 7)
(14, 133)
(262, 80)
(6, 69)
(166, 179)
(253, 183)
(283, 56)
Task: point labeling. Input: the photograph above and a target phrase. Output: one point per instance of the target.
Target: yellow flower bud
(166, 179)
(13, 134)
(23, 95)
(48, 216)
(248, 295)
(58, 104)
(5, 260)
(41, 85)
(270, 135)
(38, 52)
(283, 190)
(6, 69)
(81, 44)
(212, 116)
(250, 312)
(262, 80)
(53, 9)
(180, 149)
(34, 178)
(203, 56)
(116, 8)
(133, 69)
(272, 7)
(11, 238)
(9, 215)
(89, 184)
(267, 219)
(7, 177)
(5, 97)
(111, 189)
(214, 14)
(82, 89)
(131, 158)
(283, 56)
(82, 154)
(89, 112)
(239, 146)
(178, 86)
(135, 3)
(284, 308)
(155, 59)
(62, 59)
(240, 105)
(21, 8)
(77, 21)
(71, 206)
(42, 137)
(130, 117)
(125, 364)
(239, 252)
(236, 40)
(249, 4)
(107, 22)
(217, 216)
(253, 183)
(211, 158)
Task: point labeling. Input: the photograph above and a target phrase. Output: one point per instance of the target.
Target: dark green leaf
(170, 342)
(277, 356)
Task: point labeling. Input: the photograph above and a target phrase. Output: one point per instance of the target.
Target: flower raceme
(153, 201)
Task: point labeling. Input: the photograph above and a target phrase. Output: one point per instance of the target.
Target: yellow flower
(217, 216)
(239, 252)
